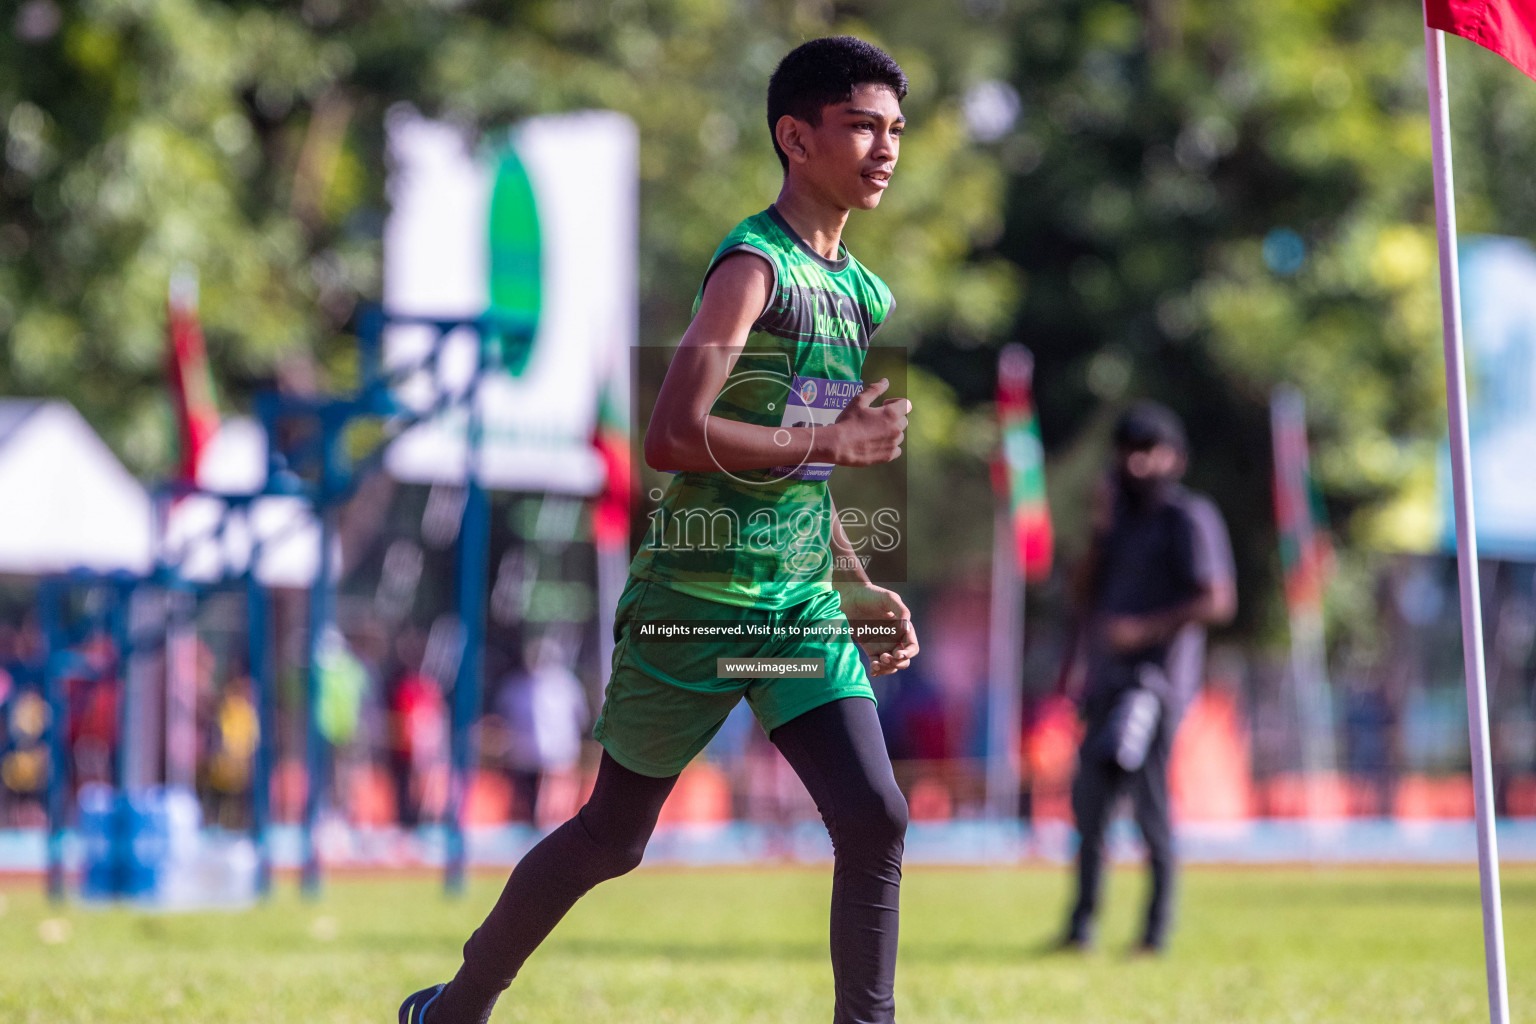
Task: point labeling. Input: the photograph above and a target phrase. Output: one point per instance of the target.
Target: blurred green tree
(246, 139)
(1209, 199)
(1185, 200)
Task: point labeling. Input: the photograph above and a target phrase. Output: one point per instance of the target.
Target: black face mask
(1143, 491)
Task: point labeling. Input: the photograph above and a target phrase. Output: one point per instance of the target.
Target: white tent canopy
(68, 503)
(285, 528)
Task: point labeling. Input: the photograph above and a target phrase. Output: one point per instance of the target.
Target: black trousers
(1096, 793)
(839, 753)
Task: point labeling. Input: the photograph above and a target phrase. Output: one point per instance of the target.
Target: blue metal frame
(316, 748)
(468, 689)
(333, 477)
(259, 663)
(61, 661)
(325, 456)
(50, 619)
(264, 695)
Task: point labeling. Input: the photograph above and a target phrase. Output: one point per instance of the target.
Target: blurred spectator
(24, 765)
(912, 712)
(957, 623)
(1158, 571)
(232, 741)
(546, 715)
(92, 714)
(417, 727)
(23, 725)
(774, 794)
(1368, 725)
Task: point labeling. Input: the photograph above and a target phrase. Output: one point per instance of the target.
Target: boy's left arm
(863, 600)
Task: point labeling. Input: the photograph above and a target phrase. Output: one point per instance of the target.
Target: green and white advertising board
(537, 224)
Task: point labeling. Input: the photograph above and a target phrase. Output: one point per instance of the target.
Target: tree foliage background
(1182, 199)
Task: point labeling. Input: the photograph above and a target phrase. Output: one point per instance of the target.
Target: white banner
(448, 253)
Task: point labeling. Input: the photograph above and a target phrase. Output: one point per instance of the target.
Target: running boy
(745, 537)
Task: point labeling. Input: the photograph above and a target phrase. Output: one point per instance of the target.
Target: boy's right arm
(683, 435)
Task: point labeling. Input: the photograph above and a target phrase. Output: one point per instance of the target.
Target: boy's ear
(790, 134)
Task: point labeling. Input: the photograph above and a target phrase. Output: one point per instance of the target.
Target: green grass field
(1355, 946)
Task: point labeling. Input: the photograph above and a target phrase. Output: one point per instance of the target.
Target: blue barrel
(145, 844)
(98, 827)
(124, 836)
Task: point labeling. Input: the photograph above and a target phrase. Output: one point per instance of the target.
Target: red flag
(1507, 27)
(610, 513)
(197, 414)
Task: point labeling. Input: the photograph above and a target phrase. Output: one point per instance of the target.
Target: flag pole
(1309, 656)
(1466, 532)
(1005, 641)
(1017, 470)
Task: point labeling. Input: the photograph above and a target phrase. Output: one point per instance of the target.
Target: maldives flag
(1305, 554)
(1507, 27)
(191, 383)
(1020, 474)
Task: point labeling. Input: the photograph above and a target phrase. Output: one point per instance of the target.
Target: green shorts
(666, 700)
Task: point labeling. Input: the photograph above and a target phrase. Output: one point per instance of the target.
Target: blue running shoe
(414, 1009)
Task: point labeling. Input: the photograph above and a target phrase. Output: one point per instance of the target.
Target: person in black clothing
(1158, 572)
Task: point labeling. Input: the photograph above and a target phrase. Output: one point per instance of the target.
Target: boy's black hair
(825, 71)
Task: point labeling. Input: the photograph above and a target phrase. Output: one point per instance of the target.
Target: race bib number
(815, 402)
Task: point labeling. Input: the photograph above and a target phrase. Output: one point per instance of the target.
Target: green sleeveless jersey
(761, 538)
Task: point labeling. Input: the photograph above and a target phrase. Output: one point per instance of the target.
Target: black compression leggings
(838, 752)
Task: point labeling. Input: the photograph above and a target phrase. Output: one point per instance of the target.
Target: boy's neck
(818, 222)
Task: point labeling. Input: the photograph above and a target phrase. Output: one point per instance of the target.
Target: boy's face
(850, 155)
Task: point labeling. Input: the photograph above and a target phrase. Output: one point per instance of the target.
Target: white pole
(1466, 533)
(1309, 658)
(1007, 626)
(612, 571)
